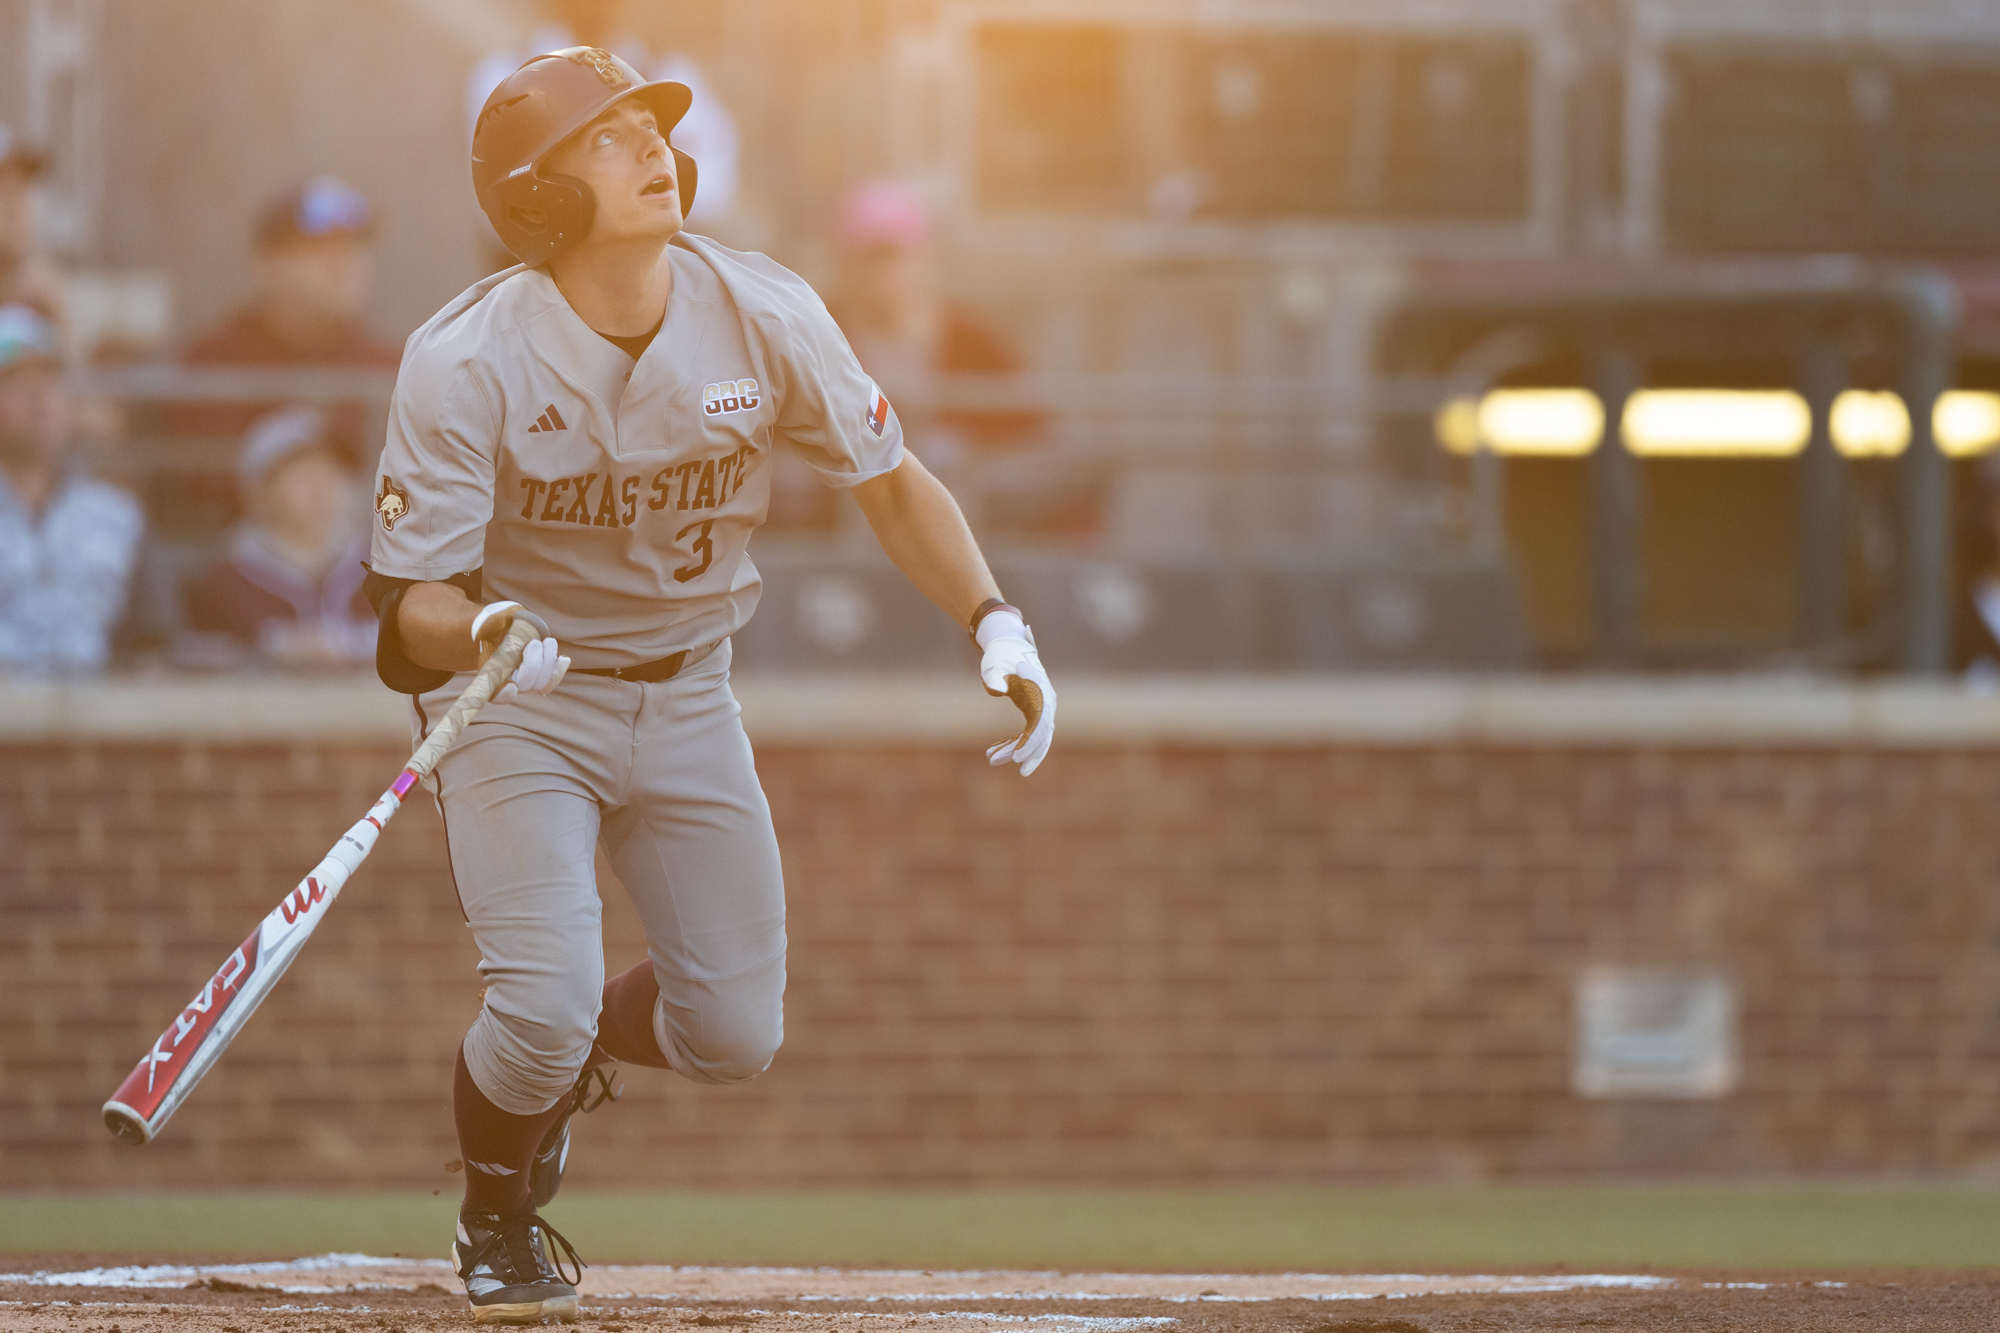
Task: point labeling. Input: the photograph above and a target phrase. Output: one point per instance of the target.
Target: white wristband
(1001, 624)
(487, 612)
(522, 613)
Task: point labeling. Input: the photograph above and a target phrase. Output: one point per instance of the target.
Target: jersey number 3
(704, 551)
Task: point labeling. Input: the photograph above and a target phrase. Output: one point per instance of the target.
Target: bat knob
(126, 1125)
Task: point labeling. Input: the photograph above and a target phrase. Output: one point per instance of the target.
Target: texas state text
(606, 500)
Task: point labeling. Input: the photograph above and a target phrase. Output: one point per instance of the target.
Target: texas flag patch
(878, 409)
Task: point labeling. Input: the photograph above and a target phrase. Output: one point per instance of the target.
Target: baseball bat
(192, 1043)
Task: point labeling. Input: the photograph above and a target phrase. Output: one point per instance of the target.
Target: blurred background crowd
(1261, 335)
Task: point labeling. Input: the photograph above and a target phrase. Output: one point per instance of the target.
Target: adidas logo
(493, 1168)
(548, 421)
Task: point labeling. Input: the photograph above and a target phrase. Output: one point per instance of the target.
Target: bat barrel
(183, 1054)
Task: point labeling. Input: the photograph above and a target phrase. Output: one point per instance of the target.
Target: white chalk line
(1334, 1287)
(179, 1275)
(156, 1306)
(985, 1316)
(1088, 1323)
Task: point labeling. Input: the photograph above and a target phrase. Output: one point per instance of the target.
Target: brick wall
(1148, 963)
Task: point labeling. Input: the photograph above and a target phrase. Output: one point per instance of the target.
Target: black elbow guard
(393, 664)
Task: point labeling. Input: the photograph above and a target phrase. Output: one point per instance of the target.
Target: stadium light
(1717, 423)
(1563, 423)
(1966, 422)
(1870, 424)
(1457, 425)
(1710, 423)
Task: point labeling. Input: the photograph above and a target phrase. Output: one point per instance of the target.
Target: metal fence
(1161, 522)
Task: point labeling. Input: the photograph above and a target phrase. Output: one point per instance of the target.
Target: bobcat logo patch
(392, 504)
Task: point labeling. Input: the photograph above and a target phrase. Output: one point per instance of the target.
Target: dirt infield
(102, 1294)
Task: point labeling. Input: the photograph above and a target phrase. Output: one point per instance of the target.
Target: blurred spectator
(28, 276)
(706, 133)
(314, 267)
(67, 542)
(905, 332)
(289, 589)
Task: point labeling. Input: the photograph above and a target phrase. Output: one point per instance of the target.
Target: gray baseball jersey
(616, 499)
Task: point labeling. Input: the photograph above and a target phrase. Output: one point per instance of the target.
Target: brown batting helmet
(532, 111)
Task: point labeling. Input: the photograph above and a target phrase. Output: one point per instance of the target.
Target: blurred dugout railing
(1216, 522)
(1162, 522)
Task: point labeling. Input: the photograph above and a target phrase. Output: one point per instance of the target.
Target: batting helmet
(532, 111)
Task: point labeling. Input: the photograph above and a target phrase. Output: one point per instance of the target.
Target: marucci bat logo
(303, 897)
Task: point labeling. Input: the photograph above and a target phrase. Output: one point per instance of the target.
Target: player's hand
(542, 666)
(1011, 666)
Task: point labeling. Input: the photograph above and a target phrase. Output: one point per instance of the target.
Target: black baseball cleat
(593, 1089)
(509, 1277)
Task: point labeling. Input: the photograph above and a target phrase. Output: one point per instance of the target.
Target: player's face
(624, 159)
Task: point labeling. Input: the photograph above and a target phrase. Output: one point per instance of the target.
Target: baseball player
(585, 441)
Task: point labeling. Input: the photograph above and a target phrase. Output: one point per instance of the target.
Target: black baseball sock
(625, 1027)
(496, 1146)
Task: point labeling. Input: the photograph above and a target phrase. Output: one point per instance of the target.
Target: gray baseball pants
(662, 776)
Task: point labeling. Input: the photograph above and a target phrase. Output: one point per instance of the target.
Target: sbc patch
(726, 396)
(392, 504)
(878, 409)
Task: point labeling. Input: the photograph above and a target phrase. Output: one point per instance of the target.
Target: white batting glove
(1011, 666)
(541, 668)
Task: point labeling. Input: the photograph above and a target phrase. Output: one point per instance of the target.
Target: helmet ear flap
(538, 217)
(578, 209)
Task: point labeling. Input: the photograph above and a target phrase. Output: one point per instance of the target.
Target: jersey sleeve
(434, 488)
(832, 414)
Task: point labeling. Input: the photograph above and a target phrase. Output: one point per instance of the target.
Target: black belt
(651, 673)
